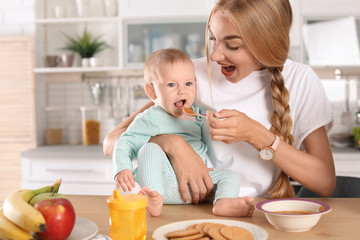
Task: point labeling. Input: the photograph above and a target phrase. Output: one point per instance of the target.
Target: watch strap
(275, 143)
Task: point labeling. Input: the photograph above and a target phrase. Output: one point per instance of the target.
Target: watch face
(266, 154)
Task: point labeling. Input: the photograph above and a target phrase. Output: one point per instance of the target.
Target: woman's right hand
(190, 169)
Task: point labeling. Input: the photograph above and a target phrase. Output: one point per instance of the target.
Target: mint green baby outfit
(154, 168)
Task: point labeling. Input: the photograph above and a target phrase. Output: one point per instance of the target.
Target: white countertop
(96, 151)
(66, 151)
(346, 153)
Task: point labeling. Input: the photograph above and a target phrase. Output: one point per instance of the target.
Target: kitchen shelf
(76, 20)
(76, 69)
(328, 72)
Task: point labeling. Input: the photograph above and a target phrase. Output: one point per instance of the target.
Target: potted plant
(86, 46)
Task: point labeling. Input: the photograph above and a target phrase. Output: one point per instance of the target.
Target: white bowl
(293, 222)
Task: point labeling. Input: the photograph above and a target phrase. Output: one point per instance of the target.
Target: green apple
(43, 196)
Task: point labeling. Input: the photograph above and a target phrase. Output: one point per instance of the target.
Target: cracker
(236, 233)
(214, 233)
(200, 227)
(209, 225)
(181, 233)
(193, 226)
(190, 237)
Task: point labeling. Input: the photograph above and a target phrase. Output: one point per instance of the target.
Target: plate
(258, 232)
(84, 229)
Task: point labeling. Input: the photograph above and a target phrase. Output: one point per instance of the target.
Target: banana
(10, 231)
(18, 210)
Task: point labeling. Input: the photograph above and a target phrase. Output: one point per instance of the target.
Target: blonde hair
(264, 26)
(158, 59)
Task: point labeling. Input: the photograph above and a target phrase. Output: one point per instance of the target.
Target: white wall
(17, 17)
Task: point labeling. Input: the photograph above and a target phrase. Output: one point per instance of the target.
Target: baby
(170, 82)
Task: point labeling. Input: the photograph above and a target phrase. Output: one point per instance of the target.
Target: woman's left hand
(230, 126)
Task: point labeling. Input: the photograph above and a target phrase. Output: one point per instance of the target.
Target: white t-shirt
(309, 110)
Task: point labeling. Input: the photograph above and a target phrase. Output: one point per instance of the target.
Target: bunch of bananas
(18, 218)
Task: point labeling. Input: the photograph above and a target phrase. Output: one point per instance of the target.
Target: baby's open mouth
(180, 104)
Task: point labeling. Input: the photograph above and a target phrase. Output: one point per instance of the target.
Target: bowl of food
(293, 214)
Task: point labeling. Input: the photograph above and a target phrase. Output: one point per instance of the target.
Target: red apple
(60, 218)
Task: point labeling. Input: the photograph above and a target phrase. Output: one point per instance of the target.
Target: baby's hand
(125, 180)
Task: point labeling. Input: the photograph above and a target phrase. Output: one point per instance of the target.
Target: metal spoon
(190, 112)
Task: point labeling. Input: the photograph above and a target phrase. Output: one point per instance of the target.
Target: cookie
(209, 226)
(200, 226)
(214, 233)
(193, 226)
(181, 233)
(235, 233)
(190, 237)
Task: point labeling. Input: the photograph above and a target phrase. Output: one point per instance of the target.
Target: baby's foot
(155, 201)
(234, 207)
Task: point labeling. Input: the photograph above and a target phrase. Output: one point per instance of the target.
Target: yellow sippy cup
(127, 216)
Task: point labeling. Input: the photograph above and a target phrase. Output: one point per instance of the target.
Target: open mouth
(180, 104)
(227, 70)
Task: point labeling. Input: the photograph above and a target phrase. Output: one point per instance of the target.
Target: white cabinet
(325, 43)
(83, 169)
(347, 161)
(145, 38)
(330, 7)
(164, 8)
(150, 25)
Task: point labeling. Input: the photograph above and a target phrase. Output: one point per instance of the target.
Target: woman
(272, 98)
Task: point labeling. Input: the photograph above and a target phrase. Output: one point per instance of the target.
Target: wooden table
(343, 222)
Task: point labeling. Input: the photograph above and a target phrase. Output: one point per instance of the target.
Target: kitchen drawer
(70, 170)
(347, 167)
(347, 161)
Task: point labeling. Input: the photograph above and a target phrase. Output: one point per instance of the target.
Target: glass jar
(90, 118)
(54, 128)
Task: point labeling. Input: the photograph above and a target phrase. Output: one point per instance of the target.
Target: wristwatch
(268, 153)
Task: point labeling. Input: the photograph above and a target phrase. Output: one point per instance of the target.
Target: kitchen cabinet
(144, 38)
(165, 8)
(330, 7)
(150, 25)
(17, 107)
(83, 169)
(347, 161)
(318, 34)
(17, 91)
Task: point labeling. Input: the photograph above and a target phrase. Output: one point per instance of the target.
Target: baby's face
(175, 87)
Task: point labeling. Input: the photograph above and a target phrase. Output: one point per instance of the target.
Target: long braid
(281, 125)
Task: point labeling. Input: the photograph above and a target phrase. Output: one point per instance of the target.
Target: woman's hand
(190, 169)
(229, 126)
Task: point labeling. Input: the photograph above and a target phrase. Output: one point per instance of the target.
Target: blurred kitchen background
(50, 96)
